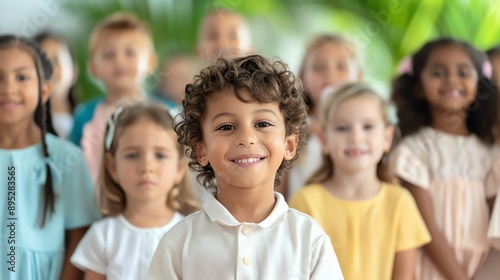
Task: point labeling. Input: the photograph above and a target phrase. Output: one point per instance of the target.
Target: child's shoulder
(66, 159)
(394, 191)
(87, 108)
(107, 223)
(60, 147)
(396, 195)
(311, 192)
(419, 143)
(187, 223)
(303, 224)
(422, 135)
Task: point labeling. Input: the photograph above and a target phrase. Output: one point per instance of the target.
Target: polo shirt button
(246, 260)
(247, 231)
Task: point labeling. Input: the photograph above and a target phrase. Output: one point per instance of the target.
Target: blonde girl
(330, 60)
(374, 225)
(143, 190)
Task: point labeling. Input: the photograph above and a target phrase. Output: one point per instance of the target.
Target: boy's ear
(46, 90)
(389, 135)
(110, 165)
(291, 144)
(201, 154)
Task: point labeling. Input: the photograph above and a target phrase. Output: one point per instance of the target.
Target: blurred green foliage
(385, 30)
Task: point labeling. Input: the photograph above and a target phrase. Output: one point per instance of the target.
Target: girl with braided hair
(143, 192)
(47, 200)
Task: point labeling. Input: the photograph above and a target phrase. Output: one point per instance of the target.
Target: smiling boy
(243, 122)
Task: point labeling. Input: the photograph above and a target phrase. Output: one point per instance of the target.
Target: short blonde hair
(120, 22)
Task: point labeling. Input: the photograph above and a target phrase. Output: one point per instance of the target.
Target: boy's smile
(244, 142)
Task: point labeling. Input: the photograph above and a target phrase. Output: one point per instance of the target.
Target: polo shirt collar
(219, 214)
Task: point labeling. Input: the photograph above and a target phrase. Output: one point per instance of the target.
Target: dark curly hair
(265, 81)
(414, 112)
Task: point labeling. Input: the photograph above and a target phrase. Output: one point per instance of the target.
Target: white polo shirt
(212, 244)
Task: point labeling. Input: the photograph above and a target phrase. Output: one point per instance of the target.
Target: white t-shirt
(116, 248)
(212, 244)
(309, 161)
(63, 123)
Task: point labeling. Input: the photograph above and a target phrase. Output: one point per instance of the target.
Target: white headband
(111, 131)
(174, 113)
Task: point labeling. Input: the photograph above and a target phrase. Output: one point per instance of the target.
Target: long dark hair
(40, 38)
(414, 112)
(44, 72)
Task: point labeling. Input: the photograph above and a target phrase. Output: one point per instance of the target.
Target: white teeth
(247, 160)
(453, 93)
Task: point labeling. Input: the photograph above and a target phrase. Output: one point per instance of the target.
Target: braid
(44, 72)
(48, 119)
(48, 191)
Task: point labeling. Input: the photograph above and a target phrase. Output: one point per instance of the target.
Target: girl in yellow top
(374, 226)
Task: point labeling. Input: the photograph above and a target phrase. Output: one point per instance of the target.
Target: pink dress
(457, 173)
(494, 229)
(93, 138)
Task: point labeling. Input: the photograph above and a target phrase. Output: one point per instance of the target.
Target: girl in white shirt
(143, 190)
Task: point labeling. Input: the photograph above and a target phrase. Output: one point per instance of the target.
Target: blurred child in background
(176, 72)
(62, 101)
(448, 112)
(329, 61)
(223, 33)
(122, 55)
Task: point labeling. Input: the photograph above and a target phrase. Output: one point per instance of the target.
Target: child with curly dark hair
(448, 116)
(243, 122)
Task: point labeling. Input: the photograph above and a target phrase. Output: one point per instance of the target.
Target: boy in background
(122, 55)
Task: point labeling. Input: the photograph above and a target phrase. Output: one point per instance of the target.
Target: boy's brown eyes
(225, 127)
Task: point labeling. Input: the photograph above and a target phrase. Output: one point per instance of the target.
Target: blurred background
(384, 30)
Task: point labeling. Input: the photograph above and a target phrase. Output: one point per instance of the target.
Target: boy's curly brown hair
(265, 82)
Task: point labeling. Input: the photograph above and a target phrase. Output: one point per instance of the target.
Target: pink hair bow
(406, 66)
(487, 69)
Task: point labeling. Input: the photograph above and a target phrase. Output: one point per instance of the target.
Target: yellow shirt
(366, 234)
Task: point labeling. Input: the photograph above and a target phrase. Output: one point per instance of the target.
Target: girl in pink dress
(448, 115)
